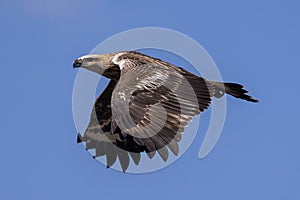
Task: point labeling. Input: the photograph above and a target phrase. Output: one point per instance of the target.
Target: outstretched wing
(152, 103)
(98, 134)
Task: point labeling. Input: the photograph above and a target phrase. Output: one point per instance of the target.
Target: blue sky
(255, 43)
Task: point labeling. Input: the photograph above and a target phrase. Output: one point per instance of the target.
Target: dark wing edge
(98, 134)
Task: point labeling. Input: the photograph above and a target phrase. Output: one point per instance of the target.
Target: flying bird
(145, 106)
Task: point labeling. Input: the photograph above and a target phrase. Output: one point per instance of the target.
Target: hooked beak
(77, 63)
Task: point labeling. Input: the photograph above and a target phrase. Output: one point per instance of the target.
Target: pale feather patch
(88, 56)
(121, 63)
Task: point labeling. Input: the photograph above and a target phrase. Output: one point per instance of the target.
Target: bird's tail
(234, 89)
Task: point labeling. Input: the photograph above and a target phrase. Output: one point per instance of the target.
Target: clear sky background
(252, 42)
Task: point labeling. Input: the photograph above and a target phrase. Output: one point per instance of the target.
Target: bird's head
(98, 63)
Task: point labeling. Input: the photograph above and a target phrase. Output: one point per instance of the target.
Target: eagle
(146, 105)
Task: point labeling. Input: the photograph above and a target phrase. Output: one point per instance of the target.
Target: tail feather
(234, 89)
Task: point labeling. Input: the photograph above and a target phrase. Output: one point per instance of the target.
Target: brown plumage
(145, 106)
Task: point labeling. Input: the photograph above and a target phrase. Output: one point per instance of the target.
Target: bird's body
(145, 106)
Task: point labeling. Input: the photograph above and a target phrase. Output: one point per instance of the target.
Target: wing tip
(79, 138)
